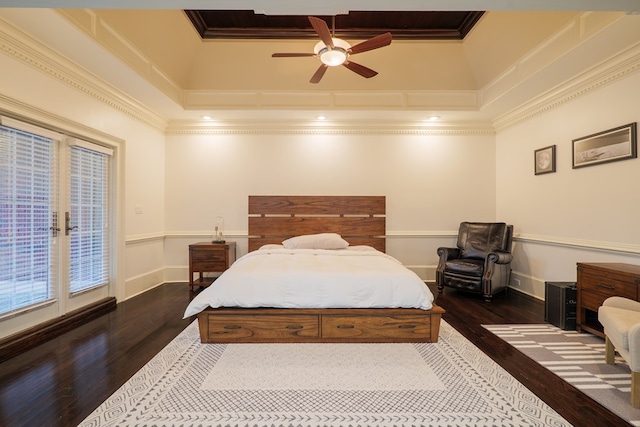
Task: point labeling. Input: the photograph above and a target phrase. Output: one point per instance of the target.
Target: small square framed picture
(545, 160)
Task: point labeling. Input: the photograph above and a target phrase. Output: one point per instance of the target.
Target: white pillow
(316, 241)
(270, 246)
(362, 248)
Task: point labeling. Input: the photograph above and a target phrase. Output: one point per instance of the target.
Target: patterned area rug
(577, 358)
(450, 383)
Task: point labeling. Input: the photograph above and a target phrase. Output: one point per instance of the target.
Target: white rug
(450, 383)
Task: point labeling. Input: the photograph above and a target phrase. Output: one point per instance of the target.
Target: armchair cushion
(466, 266)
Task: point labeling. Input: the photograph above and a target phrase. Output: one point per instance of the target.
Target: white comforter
(357, 277)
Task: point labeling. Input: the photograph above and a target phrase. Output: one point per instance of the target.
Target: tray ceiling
(410, 25)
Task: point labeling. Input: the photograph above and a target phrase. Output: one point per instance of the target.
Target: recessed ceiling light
(321, 117)
(206, 117)
(433, 118)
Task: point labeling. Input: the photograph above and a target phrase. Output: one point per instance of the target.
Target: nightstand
(206, 257)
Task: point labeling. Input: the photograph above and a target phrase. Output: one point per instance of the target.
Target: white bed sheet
(356, 277)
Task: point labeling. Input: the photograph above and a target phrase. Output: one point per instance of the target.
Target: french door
(54, 222)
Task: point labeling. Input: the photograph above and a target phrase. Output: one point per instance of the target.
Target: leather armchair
(480, 262)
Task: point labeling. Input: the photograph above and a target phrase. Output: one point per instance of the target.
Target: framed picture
(545, 160)
(608, 146)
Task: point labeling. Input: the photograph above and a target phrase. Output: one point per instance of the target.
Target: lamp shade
(335, 56)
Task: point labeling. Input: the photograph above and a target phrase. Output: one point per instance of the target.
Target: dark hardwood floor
(63, 380)
(467, 313)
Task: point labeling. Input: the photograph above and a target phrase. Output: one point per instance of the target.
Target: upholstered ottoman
(621, 320)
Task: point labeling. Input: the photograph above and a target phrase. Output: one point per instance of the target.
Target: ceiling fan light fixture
(333, 52)
(333, 57)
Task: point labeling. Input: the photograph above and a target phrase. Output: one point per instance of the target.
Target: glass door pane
(88, 219)
(28, 214)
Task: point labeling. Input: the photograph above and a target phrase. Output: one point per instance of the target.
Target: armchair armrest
(620, 302)
(634, 348)
(500, 257)
(446, 254)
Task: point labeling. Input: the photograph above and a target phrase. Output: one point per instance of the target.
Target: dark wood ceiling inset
(241, 24)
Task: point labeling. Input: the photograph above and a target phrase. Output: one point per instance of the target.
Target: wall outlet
(516, 283)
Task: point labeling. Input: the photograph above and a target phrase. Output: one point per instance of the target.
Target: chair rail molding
(244, 234)
(142, 238)
(417, 234)
(578, 243)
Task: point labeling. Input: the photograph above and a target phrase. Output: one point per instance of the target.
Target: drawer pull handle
(294, 327)
(602, 285)
(233, 327)
(345, 326)
(406, 326)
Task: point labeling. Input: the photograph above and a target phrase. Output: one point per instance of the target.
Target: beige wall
(431, 182)
(587, 214)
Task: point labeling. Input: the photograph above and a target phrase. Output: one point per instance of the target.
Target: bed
(360, 222)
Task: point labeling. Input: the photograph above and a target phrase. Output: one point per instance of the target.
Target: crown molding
(352, 128)
(20, 111)
(617, 68)
(33, 53)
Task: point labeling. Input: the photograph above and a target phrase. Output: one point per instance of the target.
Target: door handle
(54, 225)
(67, 224)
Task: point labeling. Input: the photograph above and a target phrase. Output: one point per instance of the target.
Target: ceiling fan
(333, 51)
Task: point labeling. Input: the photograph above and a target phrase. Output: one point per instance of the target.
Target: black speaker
(560, 304)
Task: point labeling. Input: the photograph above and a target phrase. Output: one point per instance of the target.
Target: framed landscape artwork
(608, 146)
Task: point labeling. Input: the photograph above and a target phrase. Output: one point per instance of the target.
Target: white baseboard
(144, 282)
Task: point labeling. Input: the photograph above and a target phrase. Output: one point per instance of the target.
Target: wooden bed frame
(358, 219)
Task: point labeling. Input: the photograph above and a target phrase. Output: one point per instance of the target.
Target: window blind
(89, 215)
(28, 203)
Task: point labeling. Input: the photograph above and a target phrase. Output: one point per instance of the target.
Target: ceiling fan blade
(317, 76)
(373, 43)
(360, 69)
(291, 55)
(322, 29)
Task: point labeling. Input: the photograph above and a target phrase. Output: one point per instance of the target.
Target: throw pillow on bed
(316, 241)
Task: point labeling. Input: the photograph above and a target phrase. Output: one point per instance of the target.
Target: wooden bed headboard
(360, 220)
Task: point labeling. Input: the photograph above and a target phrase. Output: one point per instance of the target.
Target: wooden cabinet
(206, 257)
(599, 281)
